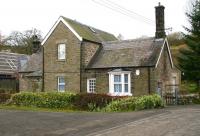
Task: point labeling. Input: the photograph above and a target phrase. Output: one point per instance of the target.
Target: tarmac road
(171, 121)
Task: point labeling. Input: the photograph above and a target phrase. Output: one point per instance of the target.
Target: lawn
(25, 108)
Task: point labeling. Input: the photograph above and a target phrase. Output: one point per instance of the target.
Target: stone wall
(139, 83)
(69, 68)
(88, 52)
(33, 84)
(164, 73)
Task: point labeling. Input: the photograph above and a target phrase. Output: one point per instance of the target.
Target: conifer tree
(189, 59)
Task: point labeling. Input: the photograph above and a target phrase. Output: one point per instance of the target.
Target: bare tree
(120, 37)
(25, 38)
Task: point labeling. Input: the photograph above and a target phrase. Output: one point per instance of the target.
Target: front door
(174, 85)
(159, 88)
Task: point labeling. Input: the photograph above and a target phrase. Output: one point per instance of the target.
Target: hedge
(91, 102)
(135, 103)
(44, 100)
(62, 100)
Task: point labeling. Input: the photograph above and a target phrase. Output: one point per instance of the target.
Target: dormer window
(61, 51)
(92, 29)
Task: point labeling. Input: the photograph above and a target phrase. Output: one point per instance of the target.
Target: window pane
(61, 80)
(92, 85)
(61, 84)
(117, 78)
(126, 78)
(62, 88)
(117, 88)
(126, 88)
(61, 51)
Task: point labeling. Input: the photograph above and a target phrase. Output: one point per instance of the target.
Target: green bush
(196, 100)
(93, 102)
(135, 103)
(44, 100)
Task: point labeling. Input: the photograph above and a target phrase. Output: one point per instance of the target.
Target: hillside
(175, 52)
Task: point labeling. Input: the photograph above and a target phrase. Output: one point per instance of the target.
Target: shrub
(93, 102)
(44, 100)
(196, 100)
(4, 97)
(135, 103)
(126, 104)
(57, 100)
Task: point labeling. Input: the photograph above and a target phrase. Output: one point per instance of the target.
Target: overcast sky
(20, 15)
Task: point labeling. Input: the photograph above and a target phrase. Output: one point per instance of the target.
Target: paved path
(173, 121)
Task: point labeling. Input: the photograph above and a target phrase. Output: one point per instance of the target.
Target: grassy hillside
(175, 52)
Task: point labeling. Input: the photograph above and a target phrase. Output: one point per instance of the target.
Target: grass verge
(36, 109)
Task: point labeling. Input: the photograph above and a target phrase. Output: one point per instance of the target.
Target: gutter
(149, 80)
(89, 68)
(42, 68)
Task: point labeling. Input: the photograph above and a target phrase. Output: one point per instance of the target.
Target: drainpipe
(149, 80)
(42, 68)
(81, 65)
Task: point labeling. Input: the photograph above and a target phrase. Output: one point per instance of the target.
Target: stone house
(79, 58)
(30, 75)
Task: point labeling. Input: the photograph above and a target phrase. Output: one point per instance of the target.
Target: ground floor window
(61, 84)
(119, 83)
(91, 85)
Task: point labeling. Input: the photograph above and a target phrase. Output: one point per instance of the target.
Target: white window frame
(59, 84)
(60, 57)
(93, 87)
(111, 83)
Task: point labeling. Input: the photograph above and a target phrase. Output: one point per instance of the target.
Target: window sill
(61, 60)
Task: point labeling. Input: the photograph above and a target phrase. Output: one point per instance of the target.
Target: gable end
(169, 53)
(60, 19)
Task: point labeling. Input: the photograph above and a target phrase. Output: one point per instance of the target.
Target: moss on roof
(90, 33)
(128, 53)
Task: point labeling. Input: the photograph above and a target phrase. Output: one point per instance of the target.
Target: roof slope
(90, 33)
(34, 63)
(129, 53)
(10, 63)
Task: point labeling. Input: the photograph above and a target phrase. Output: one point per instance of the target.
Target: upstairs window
(61, 84)
(91, 85)
(61, 52)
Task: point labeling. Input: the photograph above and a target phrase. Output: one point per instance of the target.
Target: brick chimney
(160, 21)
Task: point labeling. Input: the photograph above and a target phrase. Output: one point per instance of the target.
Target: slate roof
(34, 64)
(128, 53)
(90, 33)
(37, 73)
(10, 63)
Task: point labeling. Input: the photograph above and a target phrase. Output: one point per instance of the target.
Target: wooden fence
(10, 85)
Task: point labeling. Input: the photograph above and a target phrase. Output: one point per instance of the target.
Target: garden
(79, 102)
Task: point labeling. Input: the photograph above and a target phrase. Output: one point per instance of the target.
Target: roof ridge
(129, 40)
